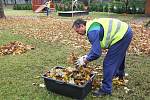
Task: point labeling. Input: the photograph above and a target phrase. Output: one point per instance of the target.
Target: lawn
(20, 73)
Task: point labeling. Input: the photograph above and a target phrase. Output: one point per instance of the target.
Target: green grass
(123, 17)
(10, 12)
(19, 72)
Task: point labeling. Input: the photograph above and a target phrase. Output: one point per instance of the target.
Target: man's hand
(81, 61)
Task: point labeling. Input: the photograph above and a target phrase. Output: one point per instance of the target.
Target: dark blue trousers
(114, 62)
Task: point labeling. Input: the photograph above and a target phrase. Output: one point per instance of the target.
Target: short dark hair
(78, 22)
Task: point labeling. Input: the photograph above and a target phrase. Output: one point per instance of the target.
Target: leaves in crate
(71, 75)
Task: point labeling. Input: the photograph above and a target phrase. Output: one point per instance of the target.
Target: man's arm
(94, 39)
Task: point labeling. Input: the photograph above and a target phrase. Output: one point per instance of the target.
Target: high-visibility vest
(114, 30)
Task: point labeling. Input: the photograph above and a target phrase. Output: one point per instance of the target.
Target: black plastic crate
(67, 89)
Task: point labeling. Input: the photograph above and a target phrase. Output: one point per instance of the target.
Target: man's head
(79, 26)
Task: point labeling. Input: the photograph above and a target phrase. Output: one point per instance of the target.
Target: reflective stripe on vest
(109, 32)
(114, 30)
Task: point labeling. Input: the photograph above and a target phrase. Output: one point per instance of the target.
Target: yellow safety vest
(114, 30)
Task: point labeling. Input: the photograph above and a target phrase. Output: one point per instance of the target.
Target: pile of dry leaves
(59, 30)
(141, 40)
(14, 48)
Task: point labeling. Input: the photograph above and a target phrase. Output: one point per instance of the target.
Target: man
(105, 33)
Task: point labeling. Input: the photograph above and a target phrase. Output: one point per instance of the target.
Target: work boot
(99, 93)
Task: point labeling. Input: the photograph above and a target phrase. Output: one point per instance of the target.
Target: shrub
(119, 7)
(22, 7)
(105, 7)
(140, 8)
(131, 9)
(92, 7)
(136, 7)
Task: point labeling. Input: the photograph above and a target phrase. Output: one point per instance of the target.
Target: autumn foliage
(59, 30)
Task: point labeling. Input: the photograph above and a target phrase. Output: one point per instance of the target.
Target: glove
(80, 61)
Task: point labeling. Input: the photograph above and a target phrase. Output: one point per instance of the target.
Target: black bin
(67, 89)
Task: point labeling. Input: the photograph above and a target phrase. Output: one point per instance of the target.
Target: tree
(147, 8)
(15, 2)
(5, 2)
(2, 15)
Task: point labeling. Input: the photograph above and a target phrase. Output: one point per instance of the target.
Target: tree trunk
(147, 8)
(15, 2)
(2, 15)
(4, 2)
(126, 3)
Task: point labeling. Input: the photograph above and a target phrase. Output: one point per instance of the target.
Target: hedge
(22, 7)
